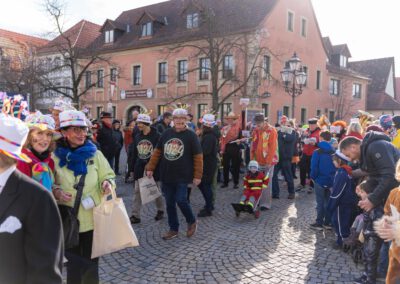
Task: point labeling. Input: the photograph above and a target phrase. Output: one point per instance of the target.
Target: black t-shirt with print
(177, 151)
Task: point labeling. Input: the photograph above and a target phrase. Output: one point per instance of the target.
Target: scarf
(75, 159)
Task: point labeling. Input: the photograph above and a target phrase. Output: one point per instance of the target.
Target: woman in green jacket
(75, 155)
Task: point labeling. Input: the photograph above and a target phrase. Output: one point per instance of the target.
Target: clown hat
(72, 118)
(13, 134)
(144, 118)
(209, 120)
(41, 121)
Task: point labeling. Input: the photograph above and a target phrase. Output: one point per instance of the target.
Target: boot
(204, 213)
(159, 216)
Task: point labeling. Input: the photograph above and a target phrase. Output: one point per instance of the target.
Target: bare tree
(74, 60)
(217, 51)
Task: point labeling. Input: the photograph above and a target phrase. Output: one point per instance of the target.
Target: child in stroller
(254, 183)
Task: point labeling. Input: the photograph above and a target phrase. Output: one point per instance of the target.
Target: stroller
(255, 183)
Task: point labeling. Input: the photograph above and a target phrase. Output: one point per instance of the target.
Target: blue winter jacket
(343, 191)
(322, 168)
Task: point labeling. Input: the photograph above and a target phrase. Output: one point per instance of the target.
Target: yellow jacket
(396, 139)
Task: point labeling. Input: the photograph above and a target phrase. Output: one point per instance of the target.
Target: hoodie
(378, 158)
(322, 168)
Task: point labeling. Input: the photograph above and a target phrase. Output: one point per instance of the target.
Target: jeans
(177, 193)
(322, 195)
(286, 167)
(206, 190)
(384, 258)
(81, 269)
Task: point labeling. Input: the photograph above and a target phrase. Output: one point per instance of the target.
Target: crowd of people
(352, 169)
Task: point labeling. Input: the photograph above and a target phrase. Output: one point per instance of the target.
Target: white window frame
(109, 36)
(358, 94)
(204, 70)
(147, 29)
(140, 75)
(288, 27)
(192, 20)
(334, 89)
(304, 27)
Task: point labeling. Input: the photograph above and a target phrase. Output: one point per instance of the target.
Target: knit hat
(374, 127)
(209, 120)
(72, 118)
(386, 121)
(13, 134)
(342, 156)
(40, 121)
(144, 118)
(253, 164)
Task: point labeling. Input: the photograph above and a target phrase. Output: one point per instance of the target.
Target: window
(147, 29)
(192, 21)
(100, 78)
(161, 109)
(227, 67)
(99, 109)
(334, 87)
(318, 85)
(265, 108)
(318, 112)
(343, 61)
(285, 111)
(114, 111)
(290, 21)
(109, 36)
(204, 68)
(267, 65)
(225, 109)
(201, 109)
(356, 90)
(88, 79)
(303, 27)
(113, 74)
(182, 70)
(137, 75)
(303, 115)
(331, 115)
(305, 69)
(162, 72)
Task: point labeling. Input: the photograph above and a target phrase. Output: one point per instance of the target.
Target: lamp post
(293, 78)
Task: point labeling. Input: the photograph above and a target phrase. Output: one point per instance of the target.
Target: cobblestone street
(279, 247)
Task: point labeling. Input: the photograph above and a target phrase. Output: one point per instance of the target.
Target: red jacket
(309, 149)
(258, 182)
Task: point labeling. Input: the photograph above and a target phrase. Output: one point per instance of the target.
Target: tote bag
(112, 228)
(148, 189)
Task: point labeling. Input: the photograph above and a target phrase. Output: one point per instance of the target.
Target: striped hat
(72, 118)
(13, 134)
(40, 121)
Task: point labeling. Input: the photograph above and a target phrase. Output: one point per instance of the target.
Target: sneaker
(134, 219)
(317, 226)
(159, 216)
(275, 197)
(225, 185)
(204, 213)
(291, 196)
(191, 229)
(327, 227)
(299, 188)
(170, 235)
(236, 186)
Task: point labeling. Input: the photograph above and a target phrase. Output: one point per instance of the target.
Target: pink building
(145, 74)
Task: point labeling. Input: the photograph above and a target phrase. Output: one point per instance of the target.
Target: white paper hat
(62, 106)
(13, 134)
(72, 118)
(209, 120)
(145, 118)
(179, 112)
(40, 121)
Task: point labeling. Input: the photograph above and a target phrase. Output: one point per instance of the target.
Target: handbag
(148, 189)
(69, 217)
(112, 227)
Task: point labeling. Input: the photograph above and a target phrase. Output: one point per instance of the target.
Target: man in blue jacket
(322, 173)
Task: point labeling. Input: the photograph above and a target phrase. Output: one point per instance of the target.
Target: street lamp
(294, 78)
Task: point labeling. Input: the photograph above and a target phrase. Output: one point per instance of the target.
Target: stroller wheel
(257, 214)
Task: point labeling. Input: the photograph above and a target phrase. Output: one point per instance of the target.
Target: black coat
(378, 158)
(119, 139)
(209, 144)
(34, 253)
(106, 141)
(286, 144)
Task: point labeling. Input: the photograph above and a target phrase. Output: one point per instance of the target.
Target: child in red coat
(254, 183)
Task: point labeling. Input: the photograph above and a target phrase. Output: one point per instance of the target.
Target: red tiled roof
(81, 35)
(378, 70)
(22, 38)
(232, 16)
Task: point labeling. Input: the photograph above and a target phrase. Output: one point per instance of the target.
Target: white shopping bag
(112, 227)
(148, 189)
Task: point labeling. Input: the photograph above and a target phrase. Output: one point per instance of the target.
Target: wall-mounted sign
(123, 95)
(130, 94)
(149, 93)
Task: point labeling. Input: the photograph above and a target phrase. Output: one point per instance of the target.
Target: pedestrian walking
(31, 239)
(105, 138)
(79, 165)
(181, 162)
(119, 143)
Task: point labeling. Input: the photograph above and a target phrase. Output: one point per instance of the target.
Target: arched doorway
(134, 107)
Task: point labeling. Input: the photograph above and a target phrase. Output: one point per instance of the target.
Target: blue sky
(369, 27)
